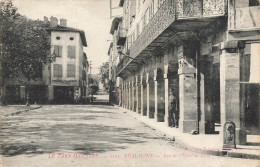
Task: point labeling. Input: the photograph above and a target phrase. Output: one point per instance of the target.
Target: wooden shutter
(71, 51)
(57, 70)
(70, 70)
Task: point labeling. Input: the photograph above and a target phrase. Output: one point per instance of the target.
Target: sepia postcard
(129, 83)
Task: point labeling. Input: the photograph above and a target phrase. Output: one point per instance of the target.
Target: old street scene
(130, 83)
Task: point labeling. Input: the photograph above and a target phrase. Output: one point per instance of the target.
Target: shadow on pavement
(64, 138)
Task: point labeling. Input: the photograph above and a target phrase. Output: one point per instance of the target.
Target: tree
(27, 46)
(104, 72)
(8, 15)
(93, 87)
(31, 49)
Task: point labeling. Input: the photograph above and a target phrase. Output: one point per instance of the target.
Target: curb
(21, 111)
(178, 140)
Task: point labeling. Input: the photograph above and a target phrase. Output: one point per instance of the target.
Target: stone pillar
(159, 95)
(187, 94)
(166, 116)
(230, 88)
(127, 96)
(155, 96)
(133, 96)
(120, 96)
(148, 94)
(22, 93)
(50, 93)
(142, 94)
(130, 99)
(206, 124)
(137, 94)
(166, 87)
(123, 95)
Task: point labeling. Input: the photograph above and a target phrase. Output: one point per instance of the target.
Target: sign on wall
(61, 82)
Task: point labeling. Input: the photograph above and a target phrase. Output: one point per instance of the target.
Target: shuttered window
(58, 50)
(57, 70)
(71, 70)
(71, 51)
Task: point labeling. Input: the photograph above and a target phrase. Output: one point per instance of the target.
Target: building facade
(63, 81)
(206, 52)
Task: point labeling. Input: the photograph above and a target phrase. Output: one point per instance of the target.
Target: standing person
(174, 113)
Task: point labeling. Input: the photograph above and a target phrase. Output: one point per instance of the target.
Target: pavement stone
(205, 144)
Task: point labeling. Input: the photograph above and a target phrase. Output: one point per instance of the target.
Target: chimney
(45, 20)
(63, 22)
(54, 22)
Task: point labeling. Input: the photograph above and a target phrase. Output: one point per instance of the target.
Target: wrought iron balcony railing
(121, 36)
(170, 11)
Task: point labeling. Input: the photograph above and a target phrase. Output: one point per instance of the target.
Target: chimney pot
(63, 22)
(45, 20)
(54, 22)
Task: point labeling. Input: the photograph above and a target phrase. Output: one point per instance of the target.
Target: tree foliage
(93, 86)
(104, 72)
(25, 45)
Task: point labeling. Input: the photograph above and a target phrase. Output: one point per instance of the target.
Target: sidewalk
(203, 143)
(9, 110)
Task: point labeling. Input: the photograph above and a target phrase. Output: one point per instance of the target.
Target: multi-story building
(64, 80)
(205, 51)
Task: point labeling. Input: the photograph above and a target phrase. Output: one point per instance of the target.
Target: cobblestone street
(92, 135)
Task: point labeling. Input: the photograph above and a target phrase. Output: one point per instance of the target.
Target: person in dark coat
(174, 113)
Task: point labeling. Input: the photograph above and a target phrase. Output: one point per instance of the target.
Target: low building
(65, 80)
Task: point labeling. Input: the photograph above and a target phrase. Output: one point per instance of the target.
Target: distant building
(64, 80)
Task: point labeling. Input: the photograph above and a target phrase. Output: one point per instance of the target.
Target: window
(57, 70)
(71, 51)
(58, 51)
(71, 70)
(254, 2)
(58, 38)
(71, 38)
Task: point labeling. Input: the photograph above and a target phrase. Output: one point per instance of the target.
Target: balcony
(172, 12)
(244, 19)
(121, 36)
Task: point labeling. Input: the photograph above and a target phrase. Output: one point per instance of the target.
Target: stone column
(155, 96)
(137, 94)
(159, 95)
(230, 88)
(166, 90)
(187, 94)
(50, 93)
(206, 124)
(127, 95)
(123, 95)
(130, 104)
(120, 95)
(142, 94)
(148, 94)
(133, 96)
(166, 116)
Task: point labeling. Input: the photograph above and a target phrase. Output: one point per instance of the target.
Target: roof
(114, 25)
(69, 29)
(121, 3)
